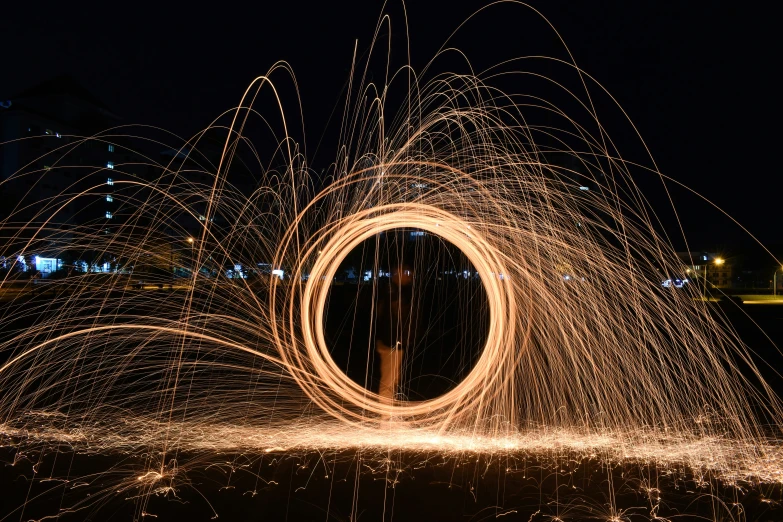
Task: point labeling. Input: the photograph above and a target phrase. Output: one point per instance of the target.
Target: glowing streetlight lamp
(775, 281)
(718, 262)
(192, 263)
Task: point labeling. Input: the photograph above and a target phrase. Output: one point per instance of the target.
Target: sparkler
(631, 374)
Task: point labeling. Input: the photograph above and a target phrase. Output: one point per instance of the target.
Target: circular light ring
(331, 389)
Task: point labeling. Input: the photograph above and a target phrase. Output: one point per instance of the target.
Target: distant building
(700, 265)
(43, 154)
(757, 279)
(55, 170)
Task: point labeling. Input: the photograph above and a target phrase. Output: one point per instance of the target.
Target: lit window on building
(108, 215)
(110, 181)
(109, 164)
(109, 199)
(111, 148)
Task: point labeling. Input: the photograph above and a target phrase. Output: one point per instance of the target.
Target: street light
(718, 261)
(190, 240)
(775, 281)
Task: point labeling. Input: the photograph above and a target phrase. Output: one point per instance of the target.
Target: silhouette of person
(393, 328)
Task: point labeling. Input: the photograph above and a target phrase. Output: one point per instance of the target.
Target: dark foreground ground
(350, 486)
(328, 486)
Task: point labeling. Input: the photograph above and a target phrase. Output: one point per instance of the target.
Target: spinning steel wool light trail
(584, 352)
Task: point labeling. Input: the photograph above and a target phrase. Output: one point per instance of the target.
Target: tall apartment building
(54, 165)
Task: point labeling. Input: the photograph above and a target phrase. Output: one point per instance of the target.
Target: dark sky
(695, 77)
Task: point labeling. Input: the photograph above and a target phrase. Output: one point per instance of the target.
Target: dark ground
(332, 486)
(394, 486)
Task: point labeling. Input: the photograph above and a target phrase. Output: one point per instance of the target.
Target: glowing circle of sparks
(585, 352)
(330, 388)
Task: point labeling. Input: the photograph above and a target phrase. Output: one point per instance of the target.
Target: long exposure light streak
(220, 363)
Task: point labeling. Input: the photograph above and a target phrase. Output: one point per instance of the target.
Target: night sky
(695, 77)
